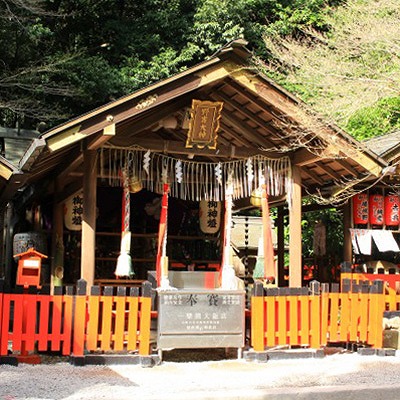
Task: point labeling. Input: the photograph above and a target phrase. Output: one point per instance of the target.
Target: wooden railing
(72, 323)
(316, 316)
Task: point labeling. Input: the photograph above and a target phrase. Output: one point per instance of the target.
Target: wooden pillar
(281, 246)
(295, 238)
(347, 246)
(89, 216)
(57, 239)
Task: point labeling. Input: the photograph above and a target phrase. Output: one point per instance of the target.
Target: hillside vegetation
(59, 59)
(350, 74)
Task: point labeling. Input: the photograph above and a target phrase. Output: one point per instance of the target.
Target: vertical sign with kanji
(210, 216)
(204, 124)
(73, 210)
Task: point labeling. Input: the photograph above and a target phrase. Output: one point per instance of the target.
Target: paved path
(340, 376)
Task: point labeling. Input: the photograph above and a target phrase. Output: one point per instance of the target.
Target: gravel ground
(332, 377)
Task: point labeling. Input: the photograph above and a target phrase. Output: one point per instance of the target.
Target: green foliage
(378, 119)
(333, 221)
(110, 48)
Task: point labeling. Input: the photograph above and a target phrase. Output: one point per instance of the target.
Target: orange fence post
(67, 320)
(355, 309)
(304, 317)
(281, 302)
(334, 315)
(324, 313)
(145, 320)
(268, 317)
(79, 319)
(364, 313)
(1, 310)
(106, 317)
(57, 317)
(93, 322)
(315, 305)
(257, 317)
(43, 334)
(4, 323)
(377, 300)
(133, 313)
(293, 302)
(120, 310)
(344, 316)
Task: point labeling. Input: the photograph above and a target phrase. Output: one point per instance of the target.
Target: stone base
(116, 359)
(369, 351)
(264, 356)
(9, 360)
(391, 339)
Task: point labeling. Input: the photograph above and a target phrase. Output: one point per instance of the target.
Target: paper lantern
(73, 211)
(210, 216)
(392, 204)
(360, 209)
(376, 209)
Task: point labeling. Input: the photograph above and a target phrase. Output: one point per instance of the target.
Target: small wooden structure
(29, 268)
(221, 119)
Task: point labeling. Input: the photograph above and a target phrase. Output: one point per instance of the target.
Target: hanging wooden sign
(204, 124)
(210, 216)
(73, 210)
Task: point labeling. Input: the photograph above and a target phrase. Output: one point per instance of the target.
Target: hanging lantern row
(194, 180)
(376, 209)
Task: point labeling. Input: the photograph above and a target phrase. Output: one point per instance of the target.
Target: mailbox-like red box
(29, 268)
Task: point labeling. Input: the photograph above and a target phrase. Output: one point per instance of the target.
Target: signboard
(191, 319)
(73, 211)
(210, 216)
(204, 124)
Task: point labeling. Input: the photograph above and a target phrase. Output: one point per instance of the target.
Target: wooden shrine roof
(258, 117)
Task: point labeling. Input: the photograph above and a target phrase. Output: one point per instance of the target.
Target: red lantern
(392, 205)
(376, 209)
(360, 209)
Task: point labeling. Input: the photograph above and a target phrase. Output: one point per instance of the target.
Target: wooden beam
(65, 138)
(243, 110)
(95, 142)
(281, 246)
(16, 181)
(347, 245)
(88, 242)
(131, 128)
(57, 238)
(175, 147)
(291, 108)
(249, 132)
(5, 171)
(329, 171)
(70, 165)
(348, 167)
(313, 176)
(295, 238)
(304, 157)
(158, 96)
(241, 140)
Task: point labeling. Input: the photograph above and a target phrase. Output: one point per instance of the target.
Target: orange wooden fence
(296, 317)
(74, 323)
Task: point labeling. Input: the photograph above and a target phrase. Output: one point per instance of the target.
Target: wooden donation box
(201, 318)
(29, 268)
